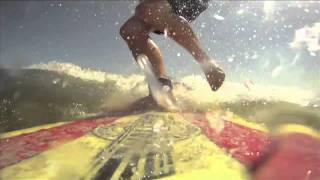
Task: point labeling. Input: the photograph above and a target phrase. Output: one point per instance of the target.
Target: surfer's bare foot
(214, 74)
(150, 103)
(166, 83)
(167, 86)
(164, 97)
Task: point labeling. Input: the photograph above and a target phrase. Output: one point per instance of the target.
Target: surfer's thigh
(134, 27)
(155, 13)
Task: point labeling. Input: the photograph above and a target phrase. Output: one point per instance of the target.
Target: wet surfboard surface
(151, 145)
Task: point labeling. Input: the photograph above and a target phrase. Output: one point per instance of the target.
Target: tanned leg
(136, 33)
(158, 15)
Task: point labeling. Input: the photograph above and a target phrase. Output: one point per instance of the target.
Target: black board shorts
(188, 9)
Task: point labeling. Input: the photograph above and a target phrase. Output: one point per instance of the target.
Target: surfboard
(150, 145)
(145, 146)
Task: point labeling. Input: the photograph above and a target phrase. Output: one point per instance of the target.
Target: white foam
(122, 81)
(130, 87)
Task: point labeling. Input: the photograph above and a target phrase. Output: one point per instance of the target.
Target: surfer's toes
(215, 75)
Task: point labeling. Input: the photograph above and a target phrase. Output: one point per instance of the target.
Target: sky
(251, 40)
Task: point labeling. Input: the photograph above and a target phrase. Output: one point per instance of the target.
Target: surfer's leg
(136, 33)
(159, 15)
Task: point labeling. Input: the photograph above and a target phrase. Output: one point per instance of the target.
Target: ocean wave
(199, 92)
(52, 92)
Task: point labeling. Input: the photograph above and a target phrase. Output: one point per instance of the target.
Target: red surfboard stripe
(17, 148)
(293, 156)
(244, 143)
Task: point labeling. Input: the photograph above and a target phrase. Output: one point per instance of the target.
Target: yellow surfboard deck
(147, 146)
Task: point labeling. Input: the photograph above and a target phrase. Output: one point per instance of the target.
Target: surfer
(173, 18)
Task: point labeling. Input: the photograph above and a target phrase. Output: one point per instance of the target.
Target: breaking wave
(194, 87)
(47, 93)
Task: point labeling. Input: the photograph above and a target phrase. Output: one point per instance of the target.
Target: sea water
(67, 91)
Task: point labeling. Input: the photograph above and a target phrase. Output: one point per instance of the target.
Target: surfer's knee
(133, 29)
(125, 31)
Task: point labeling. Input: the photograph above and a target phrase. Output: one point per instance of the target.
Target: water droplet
(218, 17)
(56, 81)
